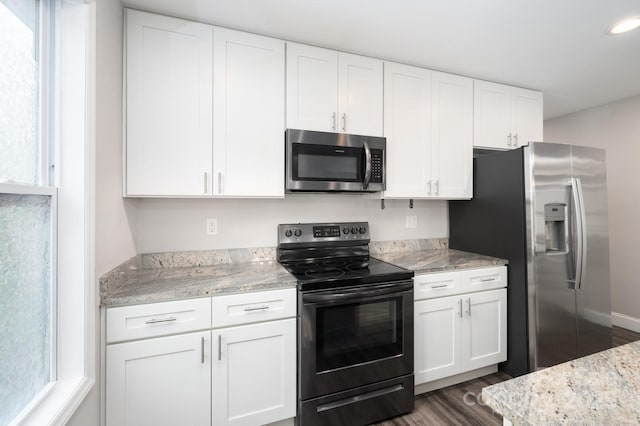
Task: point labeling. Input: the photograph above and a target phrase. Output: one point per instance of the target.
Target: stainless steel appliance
(355, 326)
(334, 162)
(544, 208)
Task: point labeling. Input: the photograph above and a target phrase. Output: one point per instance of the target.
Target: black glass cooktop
(315, 274)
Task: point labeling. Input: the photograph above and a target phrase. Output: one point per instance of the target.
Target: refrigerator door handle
(581, 231)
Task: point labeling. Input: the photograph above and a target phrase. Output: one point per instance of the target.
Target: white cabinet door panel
(407, 127)
(485, 336)
(254, 374)
(360, 90)
(168, 106)
(161, 381)
(312, 88)
(526, 116)
(491, 115)
(248, 122)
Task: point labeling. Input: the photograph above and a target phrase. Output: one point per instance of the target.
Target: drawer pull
(440, 285)
(486, 280)
(156, 321)
(257, 308)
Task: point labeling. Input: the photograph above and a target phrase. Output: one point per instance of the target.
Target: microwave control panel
(376, 165)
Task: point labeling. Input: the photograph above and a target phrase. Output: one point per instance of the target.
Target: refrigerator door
(593, 292)
(551, 245)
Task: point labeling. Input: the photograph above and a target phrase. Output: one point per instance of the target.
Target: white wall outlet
(412, 221)
(212, 226)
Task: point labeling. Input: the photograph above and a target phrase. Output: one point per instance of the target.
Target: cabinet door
(526, 116)
(248, 75)
(438, 329)
(312, 88)
(254, 374)
(485, 329)
(161, 381)
(168, 106)
(491, 115)
(452, 140)
(407, 127)
(360, 89)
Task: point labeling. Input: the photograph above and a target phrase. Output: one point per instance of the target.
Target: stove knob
(354, 230)
(345, 230)
(363, 229)
(287, 233)
(298, 232)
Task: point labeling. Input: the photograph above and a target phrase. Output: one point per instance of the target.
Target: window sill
(58, 403)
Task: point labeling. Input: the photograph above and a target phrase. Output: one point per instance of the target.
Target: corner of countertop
(111, 281)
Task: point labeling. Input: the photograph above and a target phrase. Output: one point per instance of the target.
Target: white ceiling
(556, 46)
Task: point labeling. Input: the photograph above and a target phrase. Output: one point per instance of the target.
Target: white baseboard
(626, 321)
(454, 380)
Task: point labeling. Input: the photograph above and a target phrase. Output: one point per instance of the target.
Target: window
(44, 357)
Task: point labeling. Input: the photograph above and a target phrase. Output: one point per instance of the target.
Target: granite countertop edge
(153, 278)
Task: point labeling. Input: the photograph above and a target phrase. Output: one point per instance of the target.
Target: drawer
(158, 319)
(246, 308)
(484, 279)
(436, 284)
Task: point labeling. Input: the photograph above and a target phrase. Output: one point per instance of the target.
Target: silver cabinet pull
(202, 351)
(509, 136)
(486, 280)
(439, 285)
(333, 121)
(205, 182)
(515, 140)
(156, 321)
(344, 122)
(429, 185)
(219, 347)
(469, 306)
(438, 187)
(460, 308)
(257, 308)
(219, 183)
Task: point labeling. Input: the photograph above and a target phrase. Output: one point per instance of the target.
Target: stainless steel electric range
(355, 325)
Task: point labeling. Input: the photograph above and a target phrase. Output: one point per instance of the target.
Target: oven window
(357, 333)
(330, 167)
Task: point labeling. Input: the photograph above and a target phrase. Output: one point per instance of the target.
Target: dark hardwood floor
(460, 404)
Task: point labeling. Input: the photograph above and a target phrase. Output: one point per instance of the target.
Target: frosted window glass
(19, 142)
(25, 261)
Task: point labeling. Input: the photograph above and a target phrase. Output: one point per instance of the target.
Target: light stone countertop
(426, 261)
(599, 389)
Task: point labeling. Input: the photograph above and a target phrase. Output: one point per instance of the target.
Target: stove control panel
(323, 232)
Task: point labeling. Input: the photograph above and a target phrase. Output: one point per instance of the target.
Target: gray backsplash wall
(180, 224)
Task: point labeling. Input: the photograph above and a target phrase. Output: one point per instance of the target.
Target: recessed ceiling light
(626, 25)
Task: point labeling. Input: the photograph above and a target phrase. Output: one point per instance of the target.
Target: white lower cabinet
(160, 381)
(459, 333)
(254, 376)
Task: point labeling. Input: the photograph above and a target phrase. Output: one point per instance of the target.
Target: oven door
(351, 337)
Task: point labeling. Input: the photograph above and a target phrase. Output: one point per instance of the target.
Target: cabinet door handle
(344, 122)
(486, 280)
(438, 187)
(219, 347)
(439, 285)
(156, 321)
(202, 351)
(460, 308)
(333, 121)
(205, 182)
(469, 306)
(257, 308)
(429, 185)
(515, 140)
(219, 182)
(509, 136)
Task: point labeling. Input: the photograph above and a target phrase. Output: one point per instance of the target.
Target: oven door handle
(359, 293)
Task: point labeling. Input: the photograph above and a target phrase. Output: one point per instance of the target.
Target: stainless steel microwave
(334, 162)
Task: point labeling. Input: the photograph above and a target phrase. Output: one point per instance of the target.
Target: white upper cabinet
(248, 115)
(168, 103)
(330, 91)
(407, 127)
(428, 120)
(452, 115)
(506, 117)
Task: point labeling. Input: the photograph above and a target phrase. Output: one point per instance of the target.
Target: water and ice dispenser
(556, 232)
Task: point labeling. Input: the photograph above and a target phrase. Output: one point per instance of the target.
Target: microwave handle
(367, 165)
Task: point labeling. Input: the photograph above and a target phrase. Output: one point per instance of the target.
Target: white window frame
(73, 305)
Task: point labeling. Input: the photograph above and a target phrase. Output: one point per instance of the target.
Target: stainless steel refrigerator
(544, 208)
